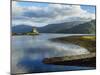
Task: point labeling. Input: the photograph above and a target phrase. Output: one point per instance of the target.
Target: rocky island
(32, 32)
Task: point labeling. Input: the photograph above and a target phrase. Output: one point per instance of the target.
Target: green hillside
(85, 28)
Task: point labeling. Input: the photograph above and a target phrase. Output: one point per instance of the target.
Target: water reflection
(28, 53)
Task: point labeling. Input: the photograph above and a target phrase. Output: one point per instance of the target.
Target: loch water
(28, 52)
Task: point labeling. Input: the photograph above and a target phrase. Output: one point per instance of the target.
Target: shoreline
(86, 41)
(87, 60)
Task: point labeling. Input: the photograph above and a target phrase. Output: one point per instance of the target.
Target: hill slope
(55, 28)
(76, 27)
(21, 28)
(85, 28)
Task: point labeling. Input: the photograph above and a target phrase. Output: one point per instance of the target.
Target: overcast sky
(41, 14)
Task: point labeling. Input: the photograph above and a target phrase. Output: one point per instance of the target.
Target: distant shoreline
(56, 33)
(25, 34)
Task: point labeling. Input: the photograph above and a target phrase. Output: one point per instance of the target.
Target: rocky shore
(87, 60)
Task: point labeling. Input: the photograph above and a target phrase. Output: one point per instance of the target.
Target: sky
(41, 14)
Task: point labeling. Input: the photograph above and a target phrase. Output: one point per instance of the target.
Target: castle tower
(34, 30)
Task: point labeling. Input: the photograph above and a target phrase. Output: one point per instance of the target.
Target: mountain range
(85, 28)
(21, 28)
(75, 27)
(54, 28)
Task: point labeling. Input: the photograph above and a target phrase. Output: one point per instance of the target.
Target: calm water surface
(28, 53)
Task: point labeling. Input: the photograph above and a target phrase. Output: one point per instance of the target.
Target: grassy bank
(88, 42)
(25, 33)
(87, 60)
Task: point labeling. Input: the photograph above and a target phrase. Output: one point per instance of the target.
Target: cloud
(53, 13)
